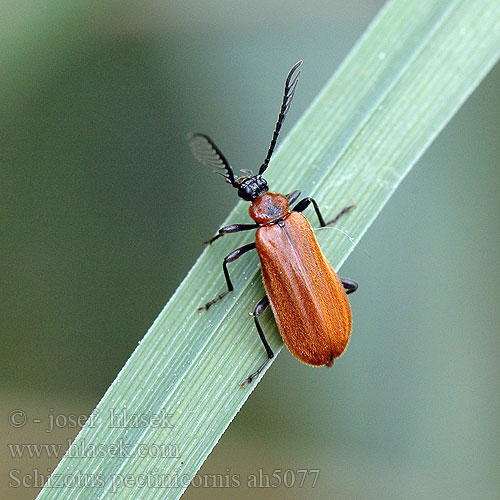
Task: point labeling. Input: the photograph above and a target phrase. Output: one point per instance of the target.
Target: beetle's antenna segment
(290, 85)
(205, 151)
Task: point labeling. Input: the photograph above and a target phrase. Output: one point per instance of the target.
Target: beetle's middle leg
(305, 202)
(230, 257)
(259, 309)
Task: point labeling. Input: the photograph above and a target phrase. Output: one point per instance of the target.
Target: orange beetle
(308, 299)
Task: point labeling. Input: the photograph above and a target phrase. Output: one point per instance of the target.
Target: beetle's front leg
(304, 203)
(292, 197)
(232, 228)
(230, 257)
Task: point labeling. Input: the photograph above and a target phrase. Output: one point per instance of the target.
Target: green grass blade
(411, 71)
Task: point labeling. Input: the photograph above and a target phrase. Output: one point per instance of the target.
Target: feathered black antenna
(290, 85)
(205, 150)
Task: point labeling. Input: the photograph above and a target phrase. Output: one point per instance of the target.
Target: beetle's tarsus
(341, 213)
(213, 301)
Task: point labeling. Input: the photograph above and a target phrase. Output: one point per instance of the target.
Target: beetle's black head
(251, 188)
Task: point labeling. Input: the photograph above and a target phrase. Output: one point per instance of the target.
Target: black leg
(259, 309)
(304, 203)
(293, 196)
(230, 257)
(340, 214)
(232, 228)
(349, 285)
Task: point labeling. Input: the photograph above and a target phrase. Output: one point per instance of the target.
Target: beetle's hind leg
(230, 257)
(350, 286)
(305, 202)
(259, 309)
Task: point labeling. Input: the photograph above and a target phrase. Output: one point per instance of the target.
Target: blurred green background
(103, 211)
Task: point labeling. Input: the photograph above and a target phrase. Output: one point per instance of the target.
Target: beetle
(309, 301)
